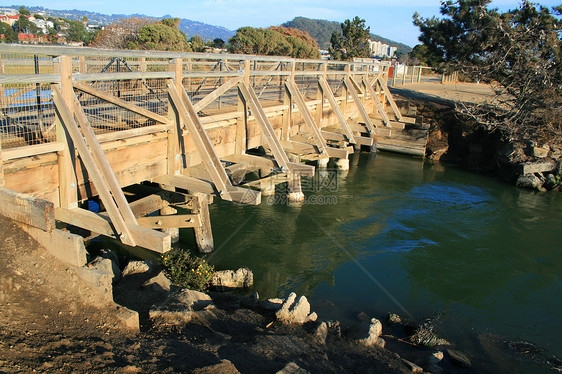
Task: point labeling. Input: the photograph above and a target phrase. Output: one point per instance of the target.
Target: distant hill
(322, 30)
(191, 28)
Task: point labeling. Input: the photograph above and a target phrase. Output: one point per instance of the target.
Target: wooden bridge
(146, 133)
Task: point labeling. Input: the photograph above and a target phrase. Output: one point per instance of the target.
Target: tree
(76, 32)
(9, 34)
(118, 34)
(304, 46)
(196, 43)
(24, 12)
(250, 40)
(518, 51)
(352, 42)
(161, 36)
(218, 43)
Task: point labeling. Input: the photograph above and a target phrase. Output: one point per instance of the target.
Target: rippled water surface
(399, 235)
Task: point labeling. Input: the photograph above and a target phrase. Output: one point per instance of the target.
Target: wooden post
(82, 67)
(142, 68)
(404, 75)
(2, 182)
(68, 192)
(203, 234)
(413, 70)
(320, 97)
(242, 122)
(2, 93)
(175, 138)
(419, 73)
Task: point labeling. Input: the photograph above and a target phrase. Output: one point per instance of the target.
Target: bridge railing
(27, 113)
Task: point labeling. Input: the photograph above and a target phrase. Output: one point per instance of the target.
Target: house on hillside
(380, 49)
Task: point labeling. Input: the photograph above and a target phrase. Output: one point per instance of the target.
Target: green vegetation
(10, 35)
(187, 271)
(352, 42)
(161, 36)
(322, 31)
(519, 51)
(278, 41)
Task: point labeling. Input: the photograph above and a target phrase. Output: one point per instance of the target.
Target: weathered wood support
(203, 233)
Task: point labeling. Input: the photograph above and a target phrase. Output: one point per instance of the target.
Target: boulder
(179, 307)
(294, 310)
(139, 267)
(393, 319)
(459, 359)
(107, 266)
(272, 304)
(229, 279)
(292, 368)
(158, 283)
(540, 152)
(98, 274)
(367, 333)
(109, 254)
(321, 333)
(529, 181)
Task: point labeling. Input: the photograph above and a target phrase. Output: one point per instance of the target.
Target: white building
(380, 49)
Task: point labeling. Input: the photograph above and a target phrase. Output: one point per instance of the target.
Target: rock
(321, 333)
(178, 308)
(138, 267)
(412, 367)
(159, 283)
(130, 369)
(109, 254)
(106, 266)
(367, 333)
(99, 277)
(292, 368)
(435, 357)
(293, 310)
(225, 367)
(536, 167)
(393, 319)
(381, 342)
(228, 279)
(459, 359)
(312, 317)
(540, 152)
(129, 318)
(272, 304)
(529, 181)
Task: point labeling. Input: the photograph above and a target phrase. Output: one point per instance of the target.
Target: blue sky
(388, 18)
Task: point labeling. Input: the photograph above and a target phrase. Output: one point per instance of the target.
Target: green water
(396, 234)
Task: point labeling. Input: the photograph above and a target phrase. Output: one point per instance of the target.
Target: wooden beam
(257, 161)
(203, 233)
(27, 209)
(176, 221)
(150, 239)
(351, 84)
(337, 110)
(194, 185)
(320, 142)
(2, 181)
(66, 117)
(157, 201)
(201, 141)
(267, 130)
(231, 83)
(122, 103)
(390, 100)
(378, 104)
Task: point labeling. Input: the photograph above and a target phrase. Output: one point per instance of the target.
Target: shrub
(187, 271)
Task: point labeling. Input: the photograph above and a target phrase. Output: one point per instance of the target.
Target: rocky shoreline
(282, 335)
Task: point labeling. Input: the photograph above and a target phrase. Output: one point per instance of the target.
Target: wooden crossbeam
(238, 194)
(172, 221)
(335, 107)
(100, 223)
(201, 140)
(27, 209)
(320, 142)
(390, 99)
(66, 117)
(121, 103)
(378, 104)
(231, 83)
(249, 96)
(336, 136)
(351, 84)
